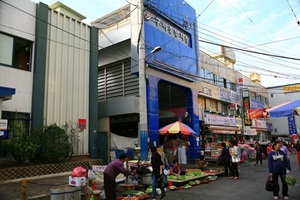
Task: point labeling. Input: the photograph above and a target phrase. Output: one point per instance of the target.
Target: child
(202, 163)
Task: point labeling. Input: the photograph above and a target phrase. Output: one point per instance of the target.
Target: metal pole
(242, 113)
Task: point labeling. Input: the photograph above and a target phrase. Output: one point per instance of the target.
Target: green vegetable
(290, 180)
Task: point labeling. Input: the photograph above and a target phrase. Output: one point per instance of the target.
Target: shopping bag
(269, 184)
(162, 181)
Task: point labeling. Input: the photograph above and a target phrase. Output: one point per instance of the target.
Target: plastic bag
(290, 180)
(91, 174)
(78, 172)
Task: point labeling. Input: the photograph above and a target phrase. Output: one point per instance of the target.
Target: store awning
(6, 93)
(224, 128)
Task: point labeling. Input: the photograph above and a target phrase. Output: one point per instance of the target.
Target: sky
(268, 26)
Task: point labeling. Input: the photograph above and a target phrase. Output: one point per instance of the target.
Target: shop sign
(168, 28)
(219, 120)
(3, 127)
(259, 123)
(238, 122)
(256, 104)
(235, 97)
(269, 126)
(225, 95)
(255, 113)
(249, 131)
(246, 103)
(223, 132)
(292, 125)
(210, 91)
(291, 88)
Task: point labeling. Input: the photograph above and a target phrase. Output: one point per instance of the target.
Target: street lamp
(153, 51)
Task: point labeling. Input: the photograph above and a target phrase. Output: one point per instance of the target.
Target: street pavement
(250, 185)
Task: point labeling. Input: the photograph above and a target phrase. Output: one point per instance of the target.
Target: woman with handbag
(278, 166)
(234, 160)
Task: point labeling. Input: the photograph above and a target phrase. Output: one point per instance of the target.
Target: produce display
(173, 187)
(186, 186)
(134, 195)
(186, 176)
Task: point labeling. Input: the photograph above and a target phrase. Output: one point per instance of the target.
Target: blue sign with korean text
(292, 125)
(256, 104)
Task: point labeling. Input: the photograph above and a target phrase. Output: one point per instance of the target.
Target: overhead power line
(249, 51)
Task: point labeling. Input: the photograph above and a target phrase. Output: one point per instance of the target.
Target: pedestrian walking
(157, 167)
(225, 158)
(259, 153)
(234, 160)
(269, 148)
(278, 166)
(112, 170)
(297, 146)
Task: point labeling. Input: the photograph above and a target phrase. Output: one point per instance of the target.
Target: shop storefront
(218, 129)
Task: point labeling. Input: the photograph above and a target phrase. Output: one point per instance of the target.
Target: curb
(36, 177)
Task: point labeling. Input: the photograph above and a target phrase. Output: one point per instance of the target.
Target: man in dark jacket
(278, 166)
(225, 158)
(157, 167)
(259, 152)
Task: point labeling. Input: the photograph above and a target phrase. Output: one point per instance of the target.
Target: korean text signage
(246, 103)
(256, 104)
(3, 127)
(210, 91)
(292, 125)
(291, 88)
(219, 120)
(255, 113)
(229, 96)
(269, 126)
(259, 123)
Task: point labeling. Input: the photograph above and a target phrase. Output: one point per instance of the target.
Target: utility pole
(143, 125)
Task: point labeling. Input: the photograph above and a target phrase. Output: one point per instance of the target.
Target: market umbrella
(286, 109)
(177, 127)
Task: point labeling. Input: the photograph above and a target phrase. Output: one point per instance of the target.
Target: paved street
(250, 186)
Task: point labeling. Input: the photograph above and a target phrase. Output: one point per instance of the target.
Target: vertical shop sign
(292, 125)
(246, 103)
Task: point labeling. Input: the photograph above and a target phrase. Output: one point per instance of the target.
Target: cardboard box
(77, 181)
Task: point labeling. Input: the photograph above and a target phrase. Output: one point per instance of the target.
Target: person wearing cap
(112, 170)
(278, 166)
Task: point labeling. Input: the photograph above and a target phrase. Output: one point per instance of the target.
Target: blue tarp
(285, 109)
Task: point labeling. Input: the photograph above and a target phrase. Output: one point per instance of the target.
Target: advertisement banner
(219, 120)
(292, 125)
(255, 113)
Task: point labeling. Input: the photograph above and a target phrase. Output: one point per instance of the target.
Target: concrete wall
(16, 23)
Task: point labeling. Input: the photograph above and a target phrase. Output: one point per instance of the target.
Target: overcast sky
(267, 26)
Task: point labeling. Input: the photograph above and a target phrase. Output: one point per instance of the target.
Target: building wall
(17, 23)
(67, 73)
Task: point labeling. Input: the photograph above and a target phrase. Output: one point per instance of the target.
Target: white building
(278, 95)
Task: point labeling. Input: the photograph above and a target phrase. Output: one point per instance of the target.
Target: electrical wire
(293, 12)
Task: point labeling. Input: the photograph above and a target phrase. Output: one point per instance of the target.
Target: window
(15, 52)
